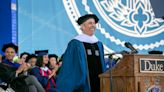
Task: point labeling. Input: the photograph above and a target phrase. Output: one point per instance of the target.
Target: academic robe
(73, 75)
(7, 75)
(42, 76)
(12, 64)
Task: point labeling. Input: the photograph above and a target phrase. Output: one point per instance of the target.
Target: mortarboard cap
(82, 19)
(158, 8)
(41, 52)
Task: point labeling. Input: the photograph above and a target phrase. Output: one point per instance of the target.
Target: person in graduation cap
(44, 75)
(83, 60)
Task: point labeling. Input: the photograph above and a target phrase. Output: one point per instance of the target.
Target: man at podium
(83, 60)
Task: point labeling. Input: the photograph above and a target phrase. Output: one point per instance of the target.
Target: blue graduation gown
(43, 79)
(12, 64)
(73, 75)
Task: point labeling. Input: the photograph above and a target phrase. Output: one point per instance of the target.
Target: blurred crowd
(29, 72)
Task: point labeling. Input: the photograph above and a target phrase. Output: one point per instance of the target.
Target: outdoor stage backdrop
(51, 24)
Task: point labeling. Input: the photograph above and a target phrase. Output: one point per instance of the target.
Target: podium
(135, 73)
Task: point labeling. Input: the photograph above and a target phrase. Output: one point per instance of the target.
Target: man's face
(89, 27)
(10, 53)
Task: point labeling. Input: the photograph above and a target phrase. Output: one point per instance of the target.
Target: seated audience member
(43, 73)
(10, 51)
(23, 57)
(53, 63)
(21, 83)
(31, 59)
(11, 72)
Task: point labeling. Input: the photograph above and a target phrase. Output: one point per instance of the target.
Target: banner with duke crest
(51, 24)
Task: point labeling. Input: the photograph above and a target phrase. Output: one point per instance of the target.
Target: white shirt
(44, 68)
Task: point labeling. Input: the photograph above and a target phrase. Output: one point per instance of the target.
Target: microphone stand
(111, 67)
(110, 72)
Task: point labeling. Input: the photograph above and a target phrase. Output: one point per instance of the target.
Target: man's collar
(86, 38)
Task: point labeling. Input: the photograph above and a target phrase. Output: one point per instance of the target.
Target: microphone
(130, 46)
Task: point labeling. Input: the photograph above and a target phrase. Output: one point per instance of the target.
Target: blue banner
(51, 24)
